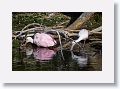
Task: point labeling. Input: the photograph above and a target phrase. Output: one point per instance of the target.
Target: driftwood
(80, 21)
(69, 33)
(97, 30)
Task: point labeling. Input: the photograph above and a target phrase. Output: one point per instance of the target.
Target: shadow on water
(46, 59)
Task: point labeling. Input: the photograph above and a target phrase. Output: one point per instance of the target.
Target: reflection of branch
(61, 49)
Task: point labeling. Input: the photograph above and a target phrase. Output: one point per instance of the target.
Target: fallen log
(81, 20)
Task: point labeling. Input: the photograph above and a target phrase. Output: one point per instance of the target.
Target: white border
(104, 76)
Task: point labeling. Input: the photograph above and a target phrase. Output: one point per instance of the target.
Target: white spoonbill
(83, 35)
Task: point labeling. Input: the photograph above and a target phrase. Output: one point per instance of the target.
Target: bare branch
(97, 30)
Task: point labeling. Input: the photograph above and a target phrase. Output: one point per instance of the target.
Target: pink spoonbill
(42, 39)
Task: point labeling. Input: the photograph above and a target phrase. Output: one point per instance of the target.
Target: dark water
(45, 59)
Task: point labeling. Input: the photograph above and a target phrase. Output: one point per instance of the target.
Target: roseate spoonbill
(83, 35)
(42, 39)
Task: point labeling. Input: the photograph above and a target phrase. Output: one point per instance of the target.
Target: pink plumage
(43, 54)
(45, 40)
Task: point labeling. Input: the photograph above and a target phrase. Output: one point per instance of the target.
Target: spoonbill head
(29, 40)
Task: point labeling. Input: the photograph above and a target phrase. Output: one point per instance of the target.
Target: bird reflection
(81, 59)
(46, 54)
(41, 54)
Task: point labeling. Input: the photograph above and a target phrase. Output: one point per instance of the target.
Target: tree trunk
(82, 19)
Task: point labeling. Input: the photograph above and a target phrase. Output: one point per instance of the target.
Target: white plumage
(29, 40)
(83, 35)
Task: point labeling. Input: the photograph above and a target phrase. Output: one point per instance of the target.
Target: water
(50, 59)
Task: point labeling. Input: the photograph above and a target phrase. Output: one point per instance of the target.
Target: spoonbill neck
(78, 40)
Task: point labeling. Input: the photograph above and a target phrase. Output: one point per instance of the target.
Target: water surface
(46, 59)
